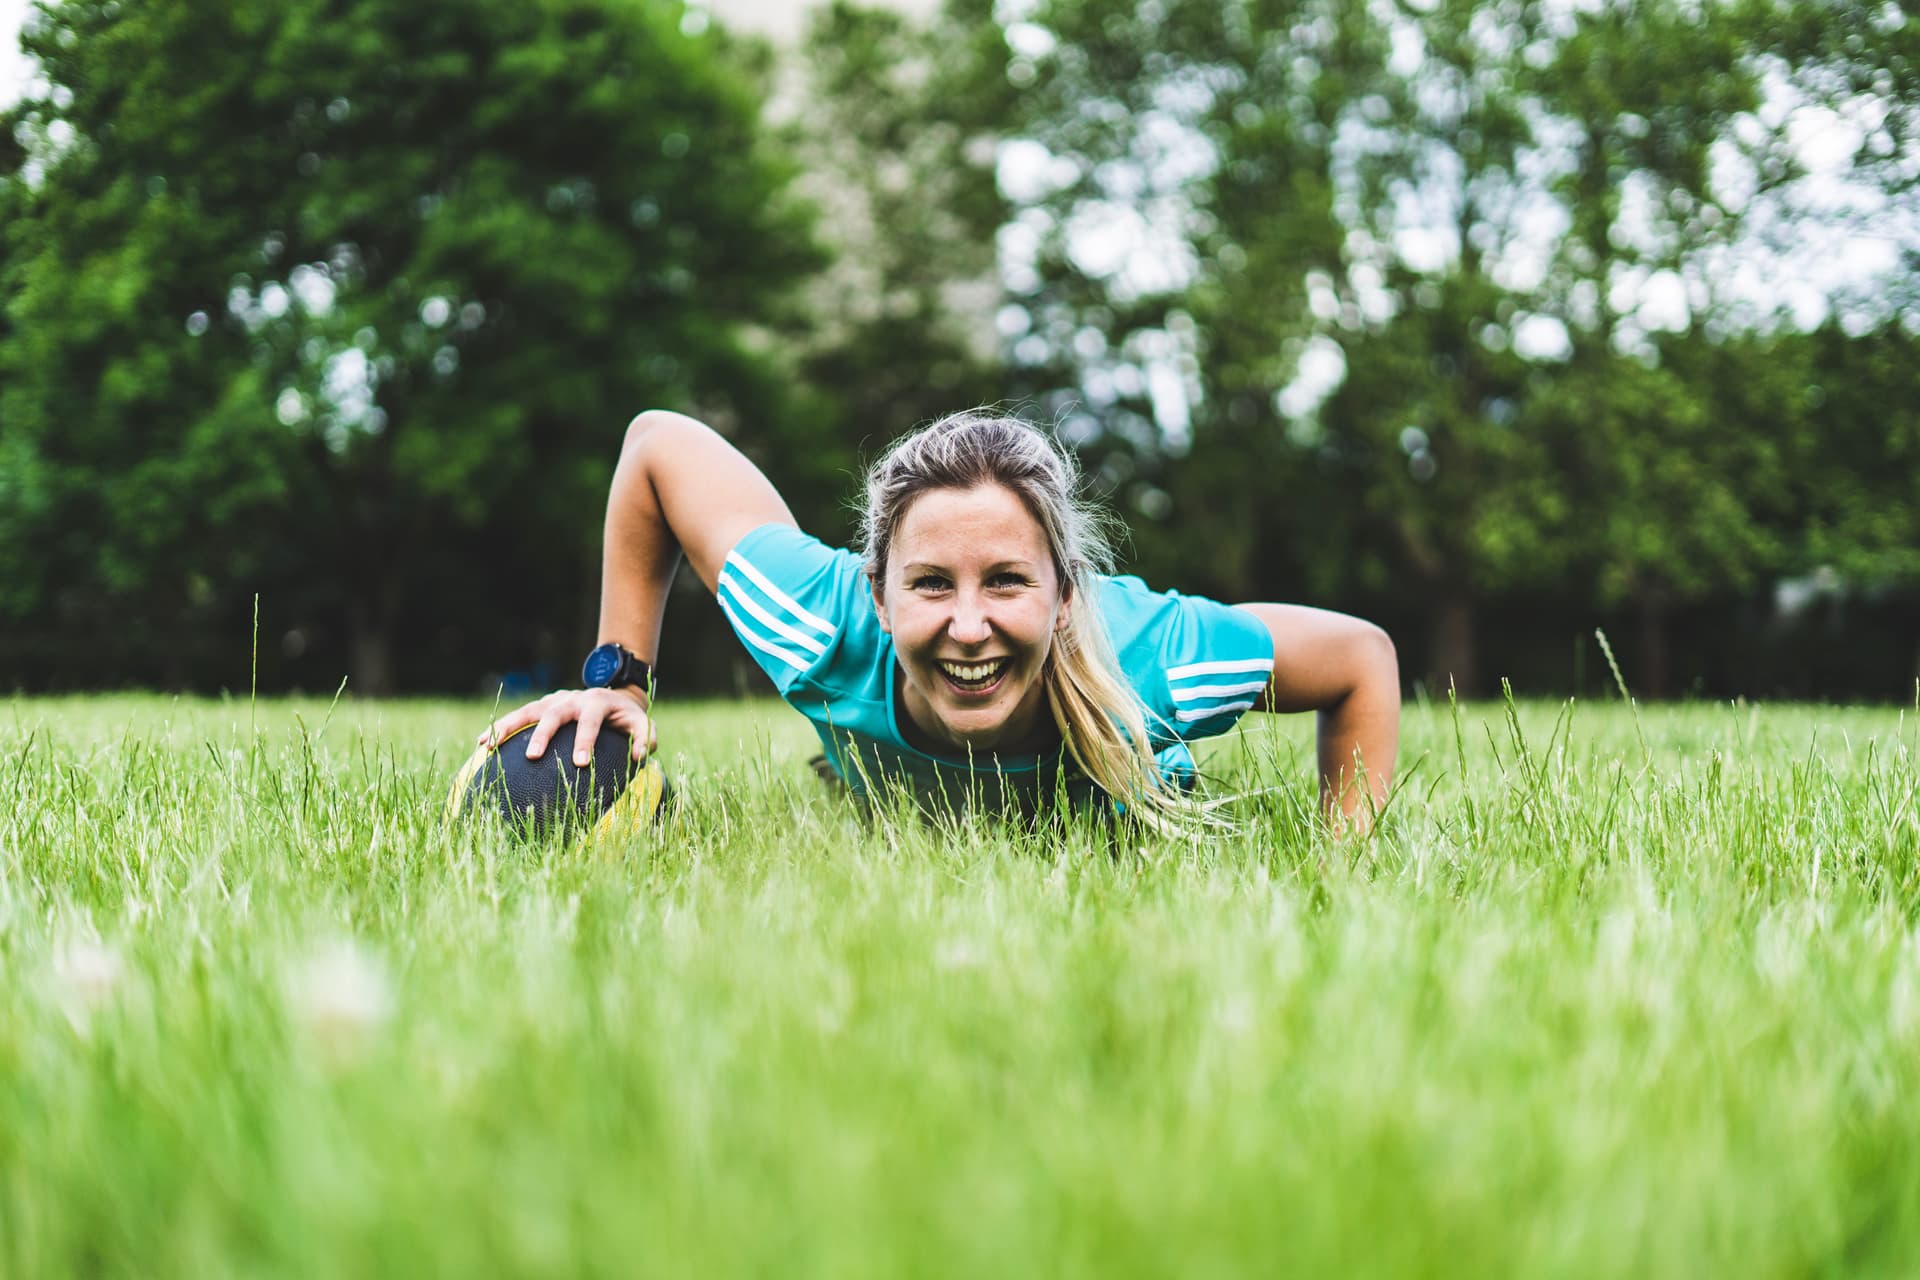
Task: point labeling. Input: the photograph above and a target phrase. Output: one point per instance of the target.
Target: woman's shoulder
(1175, 623)
(1191, 659)
(1128, 603)
(780, 545)
(794, 567)
(800, 606)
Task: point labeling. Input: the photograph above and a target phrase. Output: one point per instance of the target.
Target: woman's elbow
(1375, 661)
(1379, 649)
(647, 425)
(1381, 664)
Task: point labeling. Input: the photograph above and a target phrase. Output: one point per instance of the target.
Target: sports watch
(612, 666)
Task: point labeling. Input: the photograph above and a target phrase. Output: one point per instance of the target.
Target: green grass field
(1607, 997)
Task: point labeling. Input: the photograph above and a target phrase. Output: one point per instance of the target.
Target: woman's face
(972, 600)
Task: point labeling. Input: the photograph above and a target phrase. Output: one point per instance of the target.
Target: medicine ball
(548, 794)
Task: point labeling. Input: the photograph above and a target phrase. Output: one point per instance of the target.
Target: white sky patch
(1173, 151)
(1167, 392)
(1408, 50)
(291, 407)
(1825, 140)
(313, 287)
(347, 382)
(1321, 370)
(1027, 172)
(274, 299)
(1376, 302)
(1663, 303)
(1122, 245)
(1017, 248)
(1426, 248)
(1030, 40)
(16, 69)
(1541, 337)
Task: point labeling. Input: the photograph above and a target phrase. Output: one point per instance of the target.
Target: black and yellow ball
(549, 794)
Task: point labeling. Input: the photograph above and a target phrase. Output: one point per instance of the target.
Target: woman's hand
(624, 709)
(1346, 670)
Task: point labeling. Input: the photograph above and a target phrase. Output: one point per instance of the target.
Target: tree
(1472, 221)
(1858, 465)
(348, 302)
(1138, 268)
(1517, 185)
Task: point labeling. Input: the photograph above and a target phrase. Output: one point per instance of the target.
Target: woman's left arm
(1345, 669)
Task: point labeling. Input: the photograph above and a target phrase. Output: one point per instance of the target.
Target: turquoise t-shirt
(805, 612)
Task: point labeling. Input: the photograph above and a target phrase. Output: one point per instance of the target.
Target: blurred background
(1496, 322)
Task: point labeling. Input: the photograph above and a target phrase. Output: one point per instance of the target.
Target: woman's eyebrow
(999, 566)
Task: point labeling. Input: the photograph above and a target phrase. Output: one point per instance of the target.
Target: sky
(14, 66)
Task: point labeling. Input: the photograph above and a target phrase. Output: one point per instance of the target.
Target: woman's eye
(1006, 581)
(930, 582)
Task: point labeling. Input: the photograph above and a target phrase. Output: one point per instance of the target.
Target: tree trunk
(1450, 655)
(369, 650)
(1656, 674)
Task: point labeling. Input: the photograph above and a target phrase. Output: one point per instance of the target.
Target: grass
(1607, 997)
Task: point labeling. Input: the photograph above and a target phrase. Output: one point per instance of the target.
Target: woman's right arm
(680, 489)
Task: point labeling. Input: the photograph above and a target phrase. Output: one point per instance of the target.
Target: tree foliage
(347, 303)
(1447, 306)
(1442, 312)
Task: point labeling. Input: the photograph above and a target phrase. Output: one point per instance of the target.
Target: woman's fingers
(510, 723)
(589, 709)
(591, 714)
(559, 709)
(626, 712)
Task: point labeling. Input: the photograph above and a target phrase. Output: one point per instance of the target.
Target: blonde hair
(1101, 718)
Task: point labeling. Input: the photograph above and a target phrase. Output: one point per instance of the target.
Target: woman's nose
(968, 625)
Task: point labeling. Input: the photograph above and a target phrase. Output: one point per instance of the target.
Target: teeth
(970, 675)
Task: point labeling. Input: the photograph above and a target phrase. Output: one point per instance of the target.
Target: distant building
(854, 291)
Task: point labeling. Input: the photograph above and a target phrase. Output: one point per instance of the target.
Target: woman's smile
(975, 679)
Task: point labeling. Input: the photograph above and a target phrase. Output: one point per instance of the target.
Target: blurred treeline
(1476, 318)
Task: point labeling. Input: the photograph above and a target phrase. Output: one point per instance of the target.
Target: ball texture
(549, 794)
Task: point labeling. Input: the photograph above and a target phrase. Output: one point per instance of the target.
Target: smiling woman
(972, 600)
(977, 647)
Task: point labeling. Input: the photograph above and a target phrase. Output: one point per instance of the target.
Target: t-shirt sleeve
(787, 596)
(1198, 665)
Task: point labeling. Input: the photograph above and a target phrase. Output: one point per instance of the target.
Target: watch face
(602, 664)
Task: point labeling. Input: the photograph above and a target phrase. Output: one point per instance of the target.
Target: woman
(974, 647)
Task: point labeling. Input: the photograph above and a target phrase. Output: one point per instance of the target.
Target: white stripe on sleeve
(773, 624)
(1207, 713)
(1193, 691)
(745, 633)
(778, 596)
(1233, 667)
